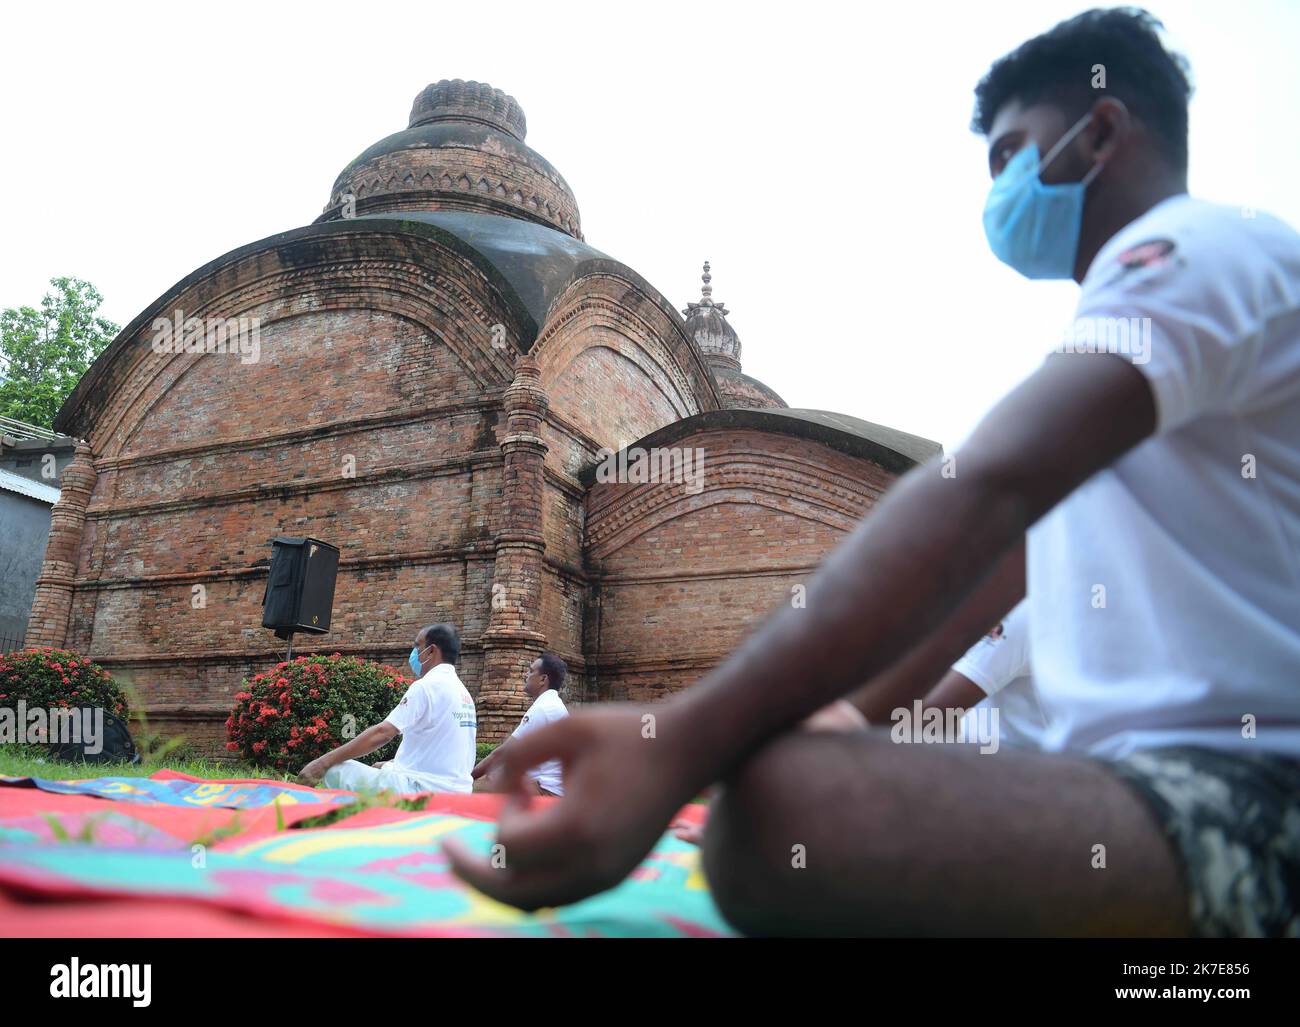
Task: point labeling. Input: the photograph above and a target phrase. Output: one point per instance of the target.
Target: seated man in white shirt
(1149, 473)
(995, 674)
(436, 719)
(542, 684)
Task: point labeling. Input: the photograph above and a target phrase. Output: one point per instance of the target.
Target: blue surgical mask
(1033, 227)
(414, 661)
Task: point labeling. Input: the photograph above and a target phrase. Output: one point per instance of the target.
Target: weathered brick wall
(562, 518)
(370, 420)
(679, 579)
(564, 598)
(381, 418)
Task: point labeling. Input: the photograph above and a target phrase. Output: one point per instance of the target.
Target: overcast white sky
(817, 154)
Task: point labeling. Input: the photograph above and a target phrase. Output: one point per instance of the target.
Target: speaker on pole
(300, 587)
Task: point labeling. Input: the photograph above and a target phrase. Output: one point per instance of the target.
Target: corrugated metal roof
(23, 430)
(11, 482)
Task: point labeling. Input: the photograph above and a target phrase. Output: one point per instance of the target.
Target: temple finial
(706, 291)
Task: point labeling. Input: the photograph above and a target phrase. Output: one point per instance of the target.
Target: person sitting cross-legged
(436, 719)
(1149, 489)
(542, 684)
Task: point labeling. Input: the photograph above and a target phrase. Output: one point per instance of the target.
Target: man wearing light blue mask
(1035, 227)
(436, 719)
(1146, 498)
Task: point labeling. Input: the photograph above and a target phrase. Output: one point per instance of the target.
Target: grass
(174, 754)
(31, 761)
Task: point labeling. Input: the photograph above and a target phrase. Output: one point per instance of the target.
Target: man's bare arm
(955, 692)
(374, 737)
(487, 762)
(932, 542)
(913, 676)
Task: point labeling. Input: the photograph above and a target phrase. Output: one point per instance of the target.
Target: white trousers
(355, 776)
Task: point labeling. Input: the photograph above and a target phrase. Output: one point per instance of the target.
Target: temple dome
(706, 323)
(463, 149)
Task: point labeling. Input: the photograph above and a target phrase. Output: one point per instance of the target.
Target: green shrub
(288, 716)
(57, 679)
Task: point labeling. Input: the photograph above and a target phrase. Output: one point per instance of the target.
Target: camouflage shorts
(1234, 822)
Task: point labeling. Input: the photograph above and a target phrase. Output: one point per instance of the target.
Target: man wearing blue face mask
(436, 719)
(1142, 487)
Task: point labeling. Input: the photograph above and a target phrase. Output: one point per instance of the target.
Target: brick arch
(438, 297)
(678, 578)
(736, 471)
(609, 330)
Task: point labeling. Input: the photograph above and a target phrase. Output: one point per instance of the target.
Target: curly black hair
(1060, 67)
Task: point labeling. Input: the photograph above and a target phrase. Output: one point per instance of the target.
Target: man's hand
(841, 715)
(364, 744)
(313, 772)
(488, 762)
(627, 770)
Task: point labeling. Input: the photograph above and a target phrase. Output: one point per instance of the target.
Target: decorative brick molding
(514, 639)
(54, 588)
(406, 291)
(463, 149)
(456, 180)
(735, 469)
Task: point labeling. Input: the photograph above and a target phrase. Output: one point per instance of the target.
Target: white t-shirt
(439, 728)
(1000, 667)
(1165, 591)
(546, 708)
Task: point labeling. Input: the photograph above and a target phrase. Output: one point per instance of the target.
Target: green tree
(44, 353)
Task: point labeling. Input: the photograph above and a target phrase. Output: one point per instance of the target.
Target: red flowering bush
(287, 716)
(57, 678)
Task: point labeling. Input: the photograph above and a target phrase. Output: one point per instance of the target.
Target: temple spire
(706, 295)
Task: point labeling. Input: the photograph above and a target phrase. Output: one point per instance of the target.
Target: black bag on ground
(115, 744)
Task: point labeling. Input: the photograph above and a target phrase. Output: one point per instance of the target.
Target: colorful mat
(180, 868)
(173, 789)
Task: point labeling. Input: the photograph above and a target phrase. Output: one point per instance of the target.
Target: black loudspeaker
(300, 588)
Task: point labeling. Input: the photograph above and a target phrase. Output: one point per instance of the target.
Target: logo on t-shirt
(1147, 254)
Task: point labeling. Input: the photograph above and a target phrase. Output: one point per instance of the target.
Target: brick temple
(443, 366)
